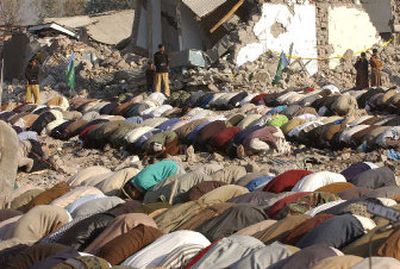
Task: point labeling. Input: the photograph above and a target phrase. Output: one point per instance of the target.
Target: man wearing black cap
(362, 66)
(161, 62)
(32, 77)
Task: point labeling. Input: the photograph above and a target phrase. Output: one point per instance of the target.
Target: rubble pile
(258, 75)
(105, 72)
(343, 76)
(100, 70)
(225, 75)
(98, 65)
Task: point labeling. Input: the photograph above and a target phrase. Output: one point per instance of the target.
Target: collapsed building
(107, 28)
(185, 27)
(198, 32)
(24, 42)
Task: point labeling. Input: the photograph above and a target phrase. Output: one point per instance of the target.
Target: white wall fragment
(300, 30)
(350, 28)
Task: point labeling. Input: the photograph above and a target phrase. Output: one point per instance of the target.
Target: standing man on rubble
(362, 68)
(376, 67)
(32, 77)
(161, 62)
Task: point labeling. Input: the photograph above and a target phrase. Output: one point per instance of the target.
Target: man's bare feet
(240, 152)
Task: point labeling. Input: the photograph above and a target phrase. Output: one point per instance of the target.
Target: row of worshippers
(219, 217)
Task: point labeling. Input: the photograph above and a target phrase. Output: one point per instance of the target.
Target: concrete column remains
(323, 47)
(155, 27)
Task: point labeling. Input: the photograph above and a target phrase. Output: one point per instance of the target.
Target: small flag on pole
(70, 72)
(283, 63)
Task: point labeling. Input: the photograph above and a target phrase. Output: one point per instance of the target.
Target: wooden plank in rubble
(227, 16)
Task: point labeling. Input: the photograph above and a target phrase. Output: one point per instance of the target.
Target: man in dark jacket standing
(161, 62)
(361, 66)
(32, 76)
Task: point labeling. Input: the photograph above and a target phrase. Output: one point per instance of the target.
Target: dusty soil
(70, 156)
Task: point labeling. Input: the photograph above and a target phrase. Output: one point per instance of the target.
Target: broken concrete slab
(200, 8)
(188, 58)
(111, 29)
(52, 28)
(107, 28)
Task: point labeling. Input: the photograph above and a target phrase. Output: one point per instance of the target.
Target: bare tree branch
(9, 12)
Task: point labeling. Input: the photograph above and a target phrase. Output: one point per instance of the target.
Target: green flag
(283, 63)
(70, 72)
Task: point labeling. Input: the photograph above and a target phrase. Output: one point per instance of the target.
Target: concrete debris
(51, 28)
(107, 28)
(100, 70)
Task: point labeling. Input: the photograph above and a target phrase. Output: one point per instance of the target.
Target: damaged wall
(167, 22)
(318, 30)
(192, 34)
(358, 35)
(169, 25)
(180, 25)
(278, 28)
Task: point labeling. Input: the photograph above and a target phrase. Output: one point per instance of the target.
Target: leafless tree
(9, 12)
(74, 7)
(17, 12)
(97, 6)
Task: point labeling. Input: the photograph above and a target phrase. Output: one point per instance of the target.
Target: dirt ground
(70, 156)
